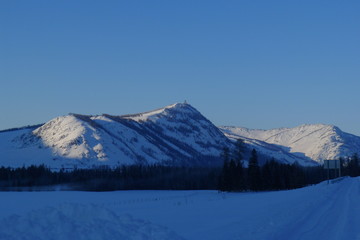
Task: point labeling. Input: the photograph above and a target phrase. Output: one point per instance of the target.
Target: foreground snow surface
(317, 212)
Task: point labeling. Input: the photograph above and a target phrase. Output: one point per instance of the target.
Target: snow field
(317, 212)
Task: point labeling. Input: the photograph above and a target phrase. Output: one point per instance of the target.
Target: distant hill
(316, 141)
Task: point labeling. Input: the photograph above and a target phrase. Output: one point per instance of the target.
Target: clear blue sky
(258, 64)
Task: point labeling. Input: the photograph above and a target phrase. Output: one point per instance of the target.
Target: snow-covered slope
(322, 211)
(318, 141)
(279, 153)
(176, 134)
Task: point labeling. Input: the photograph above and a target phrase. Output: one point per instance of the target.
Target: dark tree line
(350, 166)
(141, 177)
(233, 176)
(274, 175)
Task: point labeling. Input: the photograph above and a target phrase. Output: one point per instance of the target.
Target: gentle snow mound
(81, 222)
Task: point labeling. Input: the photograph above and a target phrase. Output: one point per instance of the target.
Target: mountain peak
(169, 111)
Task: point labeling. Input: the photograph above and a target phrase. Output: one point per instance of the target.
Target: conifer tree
(239, 169)
(354, 166)
(254, 174)
(225, 180)
(233, 176)
(271, 175)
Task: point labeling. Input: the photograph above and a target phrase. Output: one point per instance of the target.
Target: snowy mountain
(317, 141)
(176, 135)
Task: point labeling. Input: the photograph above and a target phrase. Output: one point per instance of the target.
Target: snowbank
(80, 222)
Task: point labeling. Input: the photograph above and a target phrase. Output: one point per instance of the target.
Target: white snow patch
(152, 115)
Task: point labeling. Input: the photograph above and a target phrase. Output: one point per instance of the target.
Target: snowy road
(334, 214)
(317, 212)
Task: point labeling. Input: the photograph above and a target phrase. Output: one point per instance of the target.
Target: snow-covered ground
(317, 212)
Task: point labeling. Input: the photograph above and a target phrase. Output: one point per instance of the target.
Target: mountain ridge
(317, 141)
(177, 134)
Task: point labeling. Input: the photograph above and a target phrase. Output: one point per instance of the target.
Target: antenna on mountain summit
(185, 102)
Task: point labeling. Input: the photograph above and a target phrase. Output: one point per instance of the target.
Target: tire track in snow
(335, 217)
